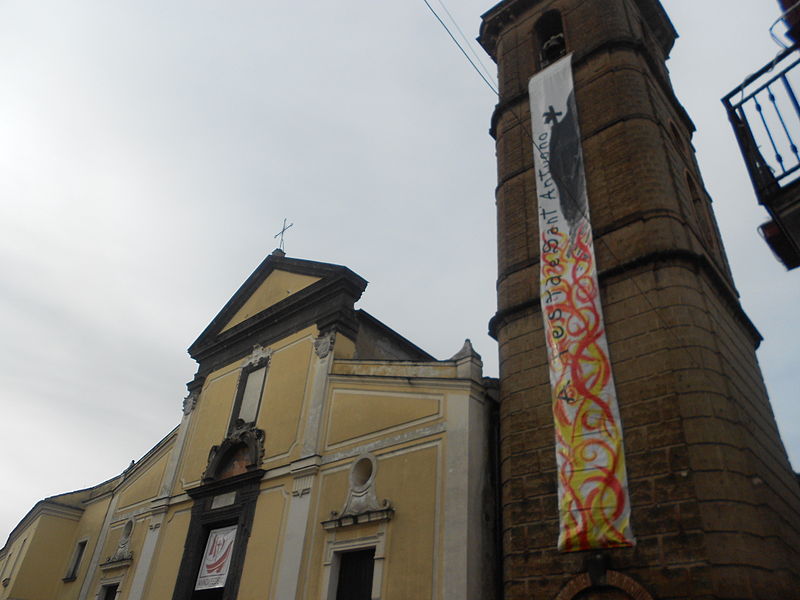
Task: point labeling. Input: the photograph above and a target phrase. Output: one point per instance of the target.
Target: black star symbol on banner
(551, 116)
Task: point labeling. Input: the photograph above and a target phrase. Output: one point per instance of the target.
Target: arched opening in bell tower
(549, 31)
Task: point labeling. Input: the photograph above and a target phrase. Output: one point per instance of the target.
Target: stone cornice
(43, 508)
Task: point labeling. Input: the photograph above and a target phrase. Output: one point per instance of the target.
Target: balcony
(765, 115)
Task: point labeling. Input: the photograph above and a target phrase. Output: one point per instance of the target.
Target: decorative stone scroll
(122, 556)
(323, 345)
(259, 355)
(190, 402)
(241, 451)
(303, 480)
(361, 505)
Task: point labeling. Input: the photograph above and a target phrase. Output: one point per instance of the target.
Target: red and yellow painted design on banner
(594, 508)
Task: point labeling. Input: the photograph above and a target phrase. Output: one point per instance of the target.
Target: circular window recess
(363, 472)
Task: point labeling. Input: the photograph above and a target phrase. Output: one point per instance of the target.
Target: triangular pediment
(278, 286)
(280, 296)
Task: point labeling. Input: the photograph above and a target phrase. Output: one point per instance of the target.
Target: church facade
(320, 455)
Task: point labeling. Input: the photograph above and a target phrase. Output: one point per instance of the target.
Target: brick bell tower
(715, 505)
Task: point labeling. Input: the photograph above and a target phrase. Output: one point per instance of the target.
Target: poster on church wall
(216, 558)
(593, 502)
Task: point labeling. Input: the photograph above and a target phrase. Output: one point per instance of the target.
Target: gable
(283, 295)
(276, 287)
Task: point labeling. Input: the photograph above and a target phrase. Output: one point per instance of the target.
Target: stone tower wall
(716, 507)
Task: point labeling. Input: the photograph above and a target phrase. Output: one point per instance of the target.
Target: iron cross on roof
(281, 232)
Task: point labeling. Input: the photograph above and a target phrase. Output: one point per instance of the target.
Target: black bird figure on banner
(566, 167)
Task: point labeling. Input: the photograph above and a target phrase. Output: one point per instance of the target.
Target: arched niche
(549, 35)
(239, 453)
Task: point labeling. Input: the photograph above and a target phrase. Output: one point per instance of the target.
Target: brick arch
(580, 588)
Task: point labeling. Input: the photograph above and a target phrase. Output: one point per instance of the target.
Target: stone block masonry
(715, 504)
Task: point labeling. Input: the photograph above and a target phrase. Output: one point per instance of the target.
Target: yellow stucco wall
(168, 554)
(209, 424)
(88, 529)
(111, 541)
(407, 477)
(15, 556)
(332, 484)
(344, 347)
(284, 393)
(145, 484)
(280, 414)
(264, 546)
(49, 549)
(362, 413)
(120, 572)
(276, 287)
(410, 478)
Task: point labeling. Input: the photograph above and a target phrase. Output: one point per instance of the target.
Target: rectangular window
(75, 562)
(355, 575)
(109, 592)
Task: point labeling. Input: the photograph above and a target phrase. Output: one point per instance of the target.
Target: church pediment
(281, 296)
(278, 286)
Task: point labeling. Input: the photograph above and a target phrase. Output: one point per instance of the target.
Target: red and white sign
(216, 558)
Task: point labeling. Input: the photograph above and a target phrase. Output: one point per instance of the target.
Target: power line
(465, 39)
(455, 41)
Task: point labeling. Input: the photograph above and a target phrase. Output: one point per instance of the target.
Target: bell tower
(714, 503)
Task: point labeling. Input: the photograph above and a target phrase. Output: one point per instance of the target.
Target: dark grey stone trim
(204, 519)
(240, 387)
(268, 265)
(328, 303)
(414, 350)
(370, 516)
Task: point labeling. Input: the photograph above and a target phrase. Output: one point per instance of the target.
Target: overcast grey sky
(149, 151)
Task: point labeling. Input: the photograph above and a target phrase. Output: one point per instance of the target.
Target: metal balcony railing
(765, 115)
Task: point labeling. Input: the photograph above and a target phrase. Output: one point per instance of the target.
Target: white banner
(216, 558)
(594, 509)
